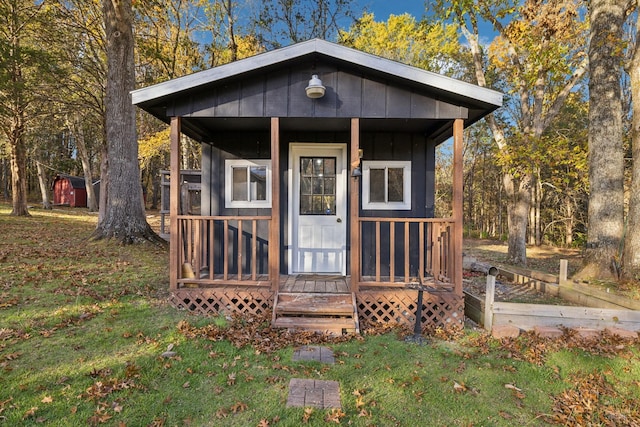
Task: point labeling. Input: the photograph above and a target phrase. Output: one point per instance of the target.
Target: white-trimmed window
(386, 185)
(247, 183)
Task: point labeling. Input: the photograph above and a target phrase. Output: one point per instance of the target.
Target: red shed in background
(69, 191)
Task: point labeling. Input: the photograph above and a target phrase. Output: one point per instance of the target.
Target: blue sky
(383, 8)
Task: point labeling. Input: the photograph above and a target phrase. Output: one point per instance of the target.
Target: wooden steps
(322, 312)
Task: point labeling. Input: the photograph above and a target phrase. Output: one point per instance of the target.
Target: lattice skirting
(444, 310)
(227, 300)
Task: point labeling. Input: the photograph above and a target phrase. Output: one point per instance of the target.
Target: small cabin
(69, 191)
(318, 188)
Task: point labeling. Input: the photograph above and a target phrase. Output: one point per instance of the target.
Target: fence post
(564, 268)
(488, 302)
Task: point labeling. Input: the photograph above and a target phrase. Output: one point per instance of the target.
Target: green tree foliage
(165, 42)
(535, 59)
(27, 74)
(429, 45)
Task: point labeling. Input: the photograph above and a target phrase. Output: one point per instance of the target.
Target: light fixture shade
(315, 88)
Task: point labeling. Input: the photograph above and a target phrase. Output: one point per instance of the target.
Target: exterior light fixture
(357, 171)
(315, 88)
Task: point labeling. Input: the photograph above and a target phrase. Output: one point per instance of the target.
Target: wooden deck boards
(303, 283)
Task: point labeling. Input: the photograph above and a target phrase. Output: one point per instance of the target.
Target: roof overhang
(478, 101)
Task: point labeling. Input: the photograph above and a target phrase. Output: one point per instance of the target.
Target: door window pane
(317, 186)
(305, 205)
(306, 166)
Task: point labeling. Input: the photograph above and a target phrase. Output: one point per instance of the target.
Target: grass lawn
(84, 331)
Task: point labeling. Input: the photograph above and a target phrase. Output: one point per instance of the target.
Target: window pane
(258, 183)
(306, 166)
(376, 186)
(329, 205)
(317, 186)
(305, 185)
(396, 185)
(318, 208)
(330, 186)
(318, 166)
(330, 166)
(306, 207)
(240, 184)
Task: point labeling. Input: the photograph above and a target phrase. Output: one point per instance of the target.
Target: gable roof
(157, 99)
(75, 181)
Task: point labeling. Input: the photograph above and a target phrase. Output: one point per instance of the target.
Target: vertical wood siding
(349, 94)
(375, 145)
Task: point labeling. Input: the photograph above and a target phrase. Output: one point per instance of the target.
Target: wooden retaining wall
(527, 316)
(599, 309)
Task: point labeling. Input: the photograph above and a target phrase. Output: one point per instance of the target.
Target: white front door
(318, 208)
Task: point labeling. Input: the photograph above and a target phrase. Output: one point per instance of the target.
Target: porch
(234, 250)
(370, 305)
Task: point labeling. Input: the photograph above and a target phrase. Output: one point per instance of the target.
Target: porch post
(458, 134)
(354, 204)
(174, 204)
(274, 229)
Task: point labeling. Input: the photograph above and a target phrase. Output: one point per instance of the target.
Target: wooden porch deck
(314, 283)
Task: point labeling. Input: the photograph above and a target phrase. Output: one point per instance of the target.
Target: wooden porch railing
(231, 250)
(395, 251)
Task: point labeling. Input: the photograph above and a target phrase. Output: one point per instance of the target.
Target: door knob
(339, 220)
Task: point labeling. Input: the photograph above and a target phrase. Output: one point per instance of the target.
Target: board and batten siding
(375, 145)
(280, 93)
(389, 146)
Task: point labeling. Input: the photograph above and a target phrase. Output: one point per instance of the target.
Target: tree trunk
(568, 224)
(44, 188)
(606, 154)
(86, 165)
(538, 205)
(123, 217)
(631, 255)
(104, 180)
(18, 158)
(518, 204)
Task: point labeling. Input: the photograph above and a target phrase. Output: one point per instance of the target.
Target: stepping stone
(313, 393)
(314, 352)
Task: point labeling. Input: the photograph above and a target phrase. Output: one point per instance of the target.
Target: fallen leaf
(334, 416)
(505, 415)
(186, 385)
(47, 399)
(307, 415)
(512, 387)
(30, 413)
(459, 388)
(239, 407)
(231, 378)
